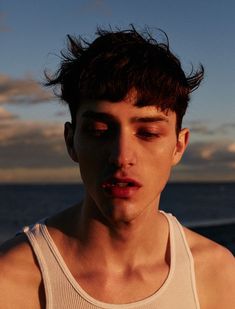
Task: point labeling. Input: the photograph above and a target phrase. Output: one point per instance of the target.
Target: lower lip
(121, 192)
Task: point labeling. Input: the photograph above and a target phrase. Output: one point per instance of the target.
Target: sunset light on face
(31, 119)
(117, 145)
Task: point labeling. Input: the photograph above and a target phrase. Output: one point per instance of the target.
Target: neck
(139, 241)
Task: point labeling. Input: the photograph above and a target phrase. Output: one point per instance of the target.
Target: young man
(127, 95)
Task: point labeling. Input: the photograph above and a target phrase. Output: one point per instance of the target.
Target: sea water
(194, 204)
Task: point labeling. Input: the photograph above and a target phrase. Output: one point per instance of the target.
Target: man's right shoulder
(16, 252)
(19, 273)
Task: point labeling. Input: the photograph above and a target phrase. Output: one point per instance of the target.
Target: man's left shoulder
(214, 271)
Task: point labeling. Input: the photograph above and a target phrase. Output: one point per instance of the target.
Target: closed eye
(96, 129)
(97, 132)
(148, 135)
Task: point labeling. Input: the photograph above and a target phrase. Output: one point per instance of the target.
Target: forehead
(125, 109)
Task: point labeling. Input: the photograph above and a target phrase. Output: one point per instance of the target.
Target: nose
(123, 151)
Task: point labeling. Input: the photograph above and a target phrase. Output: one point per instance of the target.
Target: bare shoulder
(215, 272)
(15, 256)
(19, 274)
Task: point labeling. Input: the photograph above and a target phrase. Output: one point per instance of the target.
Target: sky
(32, 34)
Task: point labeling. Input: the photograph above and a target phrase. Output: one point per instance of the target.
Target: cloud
(226, 127)
(208, 161)
(202, 128)
(6, 116)
(199, 127)
(40, 175)
(27, 144)
(36, 151)
(203, 153)
(25, 90)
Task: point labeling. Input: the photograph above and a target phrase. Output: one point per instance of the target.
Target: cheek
(160, 162)
(160, 168)
(90, 158)
(163, 153)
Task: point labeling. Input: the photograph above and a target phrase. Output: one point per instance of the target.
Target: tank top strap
(42, 252)
(184, 271)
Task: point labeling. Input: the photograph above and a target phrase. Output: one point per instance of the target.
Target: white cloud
(207, 161)
(11, 132)
(25, 90)
(36, 150)
(32, 145)
(207, 153)
(6, 116)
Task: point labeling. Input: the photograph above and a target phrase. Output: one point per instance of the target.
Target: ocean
(196, 205)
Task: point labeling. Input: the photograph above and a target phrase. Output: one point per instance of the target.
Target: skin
(154, 150)
(128, 236)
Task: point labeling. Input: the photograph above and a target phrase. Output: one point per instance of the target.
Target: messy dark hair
(118, 61)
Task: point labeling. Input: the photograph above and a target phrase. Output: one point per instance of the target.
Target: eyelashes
(107, 131)
(148, 135)
(96, 129)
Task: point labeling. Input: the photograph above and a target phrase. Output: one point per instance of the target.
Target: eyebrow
(150, 119)
(107, 117)
(98, 116)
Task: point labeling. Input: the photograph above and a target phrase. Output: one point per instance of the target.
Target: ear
(181, 145)
(68, 136)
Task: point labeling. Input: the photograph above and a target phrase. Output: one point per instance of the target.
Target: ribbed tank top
(64, 292)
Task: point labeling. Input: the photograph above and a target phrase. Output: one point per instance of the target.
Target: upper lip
(114, 180)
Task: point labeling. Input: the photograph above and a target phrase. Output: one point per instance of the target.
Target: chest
(118, 288)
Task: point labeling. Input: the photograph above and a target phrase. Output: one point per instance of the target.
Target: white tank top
(64, 292)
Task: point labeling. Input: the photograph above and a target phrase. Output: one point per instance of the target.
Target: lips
(120, 187)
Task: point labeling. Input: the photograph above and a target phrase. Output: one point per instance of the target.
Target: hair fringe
(119, 60)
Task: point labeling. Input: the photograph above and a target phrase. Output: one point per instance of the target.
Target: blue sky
(33, 32)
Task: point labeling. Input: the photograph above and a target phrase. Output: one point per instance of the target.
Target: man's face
(125, 155)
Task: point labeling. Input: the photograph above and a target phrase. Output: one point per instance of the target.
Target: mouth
(120, 182)
(120, 187)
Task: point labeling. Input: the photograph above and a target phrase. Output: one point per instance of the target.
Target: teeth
(122, 184)
(118, 184)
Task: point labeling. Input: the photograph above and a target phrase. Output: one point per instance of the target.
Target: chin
(123, 212)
